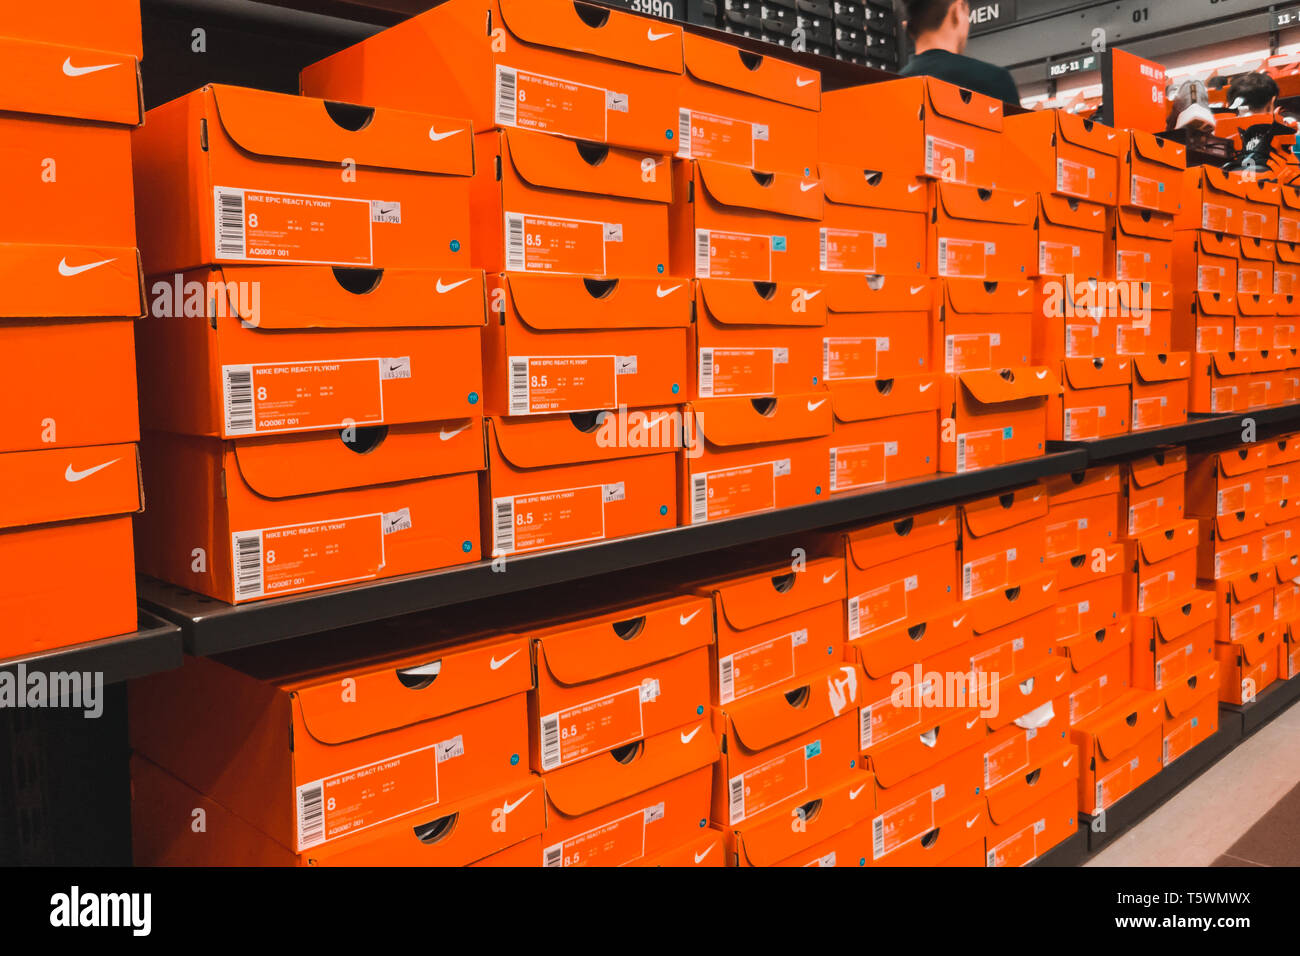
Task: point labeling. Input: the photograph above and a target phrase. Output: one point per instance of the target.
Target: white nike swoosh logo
(927, 386)
(917, 288)
(1047, 586)
(649, 425)
(828, 578)
(972, 821)
(73, 475)
(684, 619)
(439, 137)
(958, 622)
(993, 108)
(804, 187)
(1060, 677)
(972, 723)
(914, 187)
(443, 289)
(810, 295)
(800, 82)
(70, 70)
(1042, 375)
(1097, 212)
(653, 37)
(69, 271)
(1023, 292)
(853, 794)
(448, 436)
(700, 856)
(509, 807)
(1017, 203)
(496, 665)
(1068, 761)
(813, 408)
(661, 292)
(687, 738)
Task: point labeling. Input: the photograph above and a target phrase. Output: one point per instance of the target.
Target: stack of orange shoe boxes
(585, 350)
(411, 757)
(310, 377)
(69, 96)
(1286, 267)
(622, 737)
(979, 256)
(1281, 543)
(788, 790)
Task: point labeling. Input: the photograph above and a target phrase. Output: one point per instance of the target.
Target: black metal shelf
(155, 646)
(1270, 702)
(1198, 428)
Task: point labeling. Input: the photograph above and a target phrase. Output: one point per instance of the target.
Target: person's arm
(1010, 92)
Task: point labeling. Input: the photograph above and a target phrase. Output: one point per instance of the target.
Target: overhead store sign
(1079, 64)
(989, 16)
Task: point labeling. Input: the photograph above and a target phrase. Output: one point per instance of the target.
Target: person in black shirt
(939, 29)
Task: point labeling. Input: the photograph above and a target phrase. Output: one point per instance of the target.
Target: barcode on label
(231, 241)
(943, 257)
(507, 96)
(516, 257)
(864, 728)
(823, 251)
(239, 400)
(311, 815)
(966, 582)
(699, 499)
(834, 467)
(554, 855)
(726, 680)
(702, 257)
(961, 454)
(684, 134)
(706, 373)
(826, 359)
(519, 399)
(550, 742)
(736, 798)
(504, 527)
(877, 838)
(248, 565)
(855, 626)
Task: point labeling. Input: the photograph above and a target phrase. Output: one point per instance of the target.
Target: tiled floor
(1213, 821)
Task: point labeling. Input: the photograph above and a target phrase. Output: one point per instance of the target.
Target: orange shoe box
(1083, 610)
(874, 222)
(266, 516)
(1153, 492)
(1245, 602)
(957, 839)
(548, 205)
(268, 186)
(604, 682)
(1256, 319)
(631, 806)
(774, 626)
(1286, 590)
(1094, 400)
(1100, 669)
(561, 344)
(1191, 712)
(1025, 826)
(525, 853)
(886, 430)
(877, 327)
(560, 480)
(996, 417)
(1229, 544)
(1026, 714)
(1249, 664)
(1163, 564)
(1139, 246)
(747, 456)
(1119, 749)
(1072, 318)
(778, 745)
(278, 350)
(900, 572)
(1206, 262)
(307, 765)
(977, 233)
(1224, 482)
(1063, 155)
(1151, 171)
(825, 830)
(1173, 640)
(983, 325)
(1145, 318)
(933, 127)
(1255, 268)
(729, 222)
(1002, 543)
(1285, 335)
(1012, 634)
(749, 110)
(1282, 479)
(1083, 514)
(1212, 201)
(1071, 236)
(1160, 389)
(754, 339)
(1288, 217)
(1223, 382)
(1280, 541)
(1288, 653)
(1204, 322)
(1286, 271)
(604, 76)
(1260, 209)
(705, 850)
(59, 507)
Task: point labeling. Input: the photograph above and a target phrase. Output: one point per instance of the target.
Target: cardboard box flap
(1122, 724)
(984, 516)
(115, 287)
(962, 105)
(568, 303)
(580, 651)
(1230, 363)
(1175, 621)
(729, 422)
(769, 838)
(976, 204)
(1255, 303)
(1231, 526)
(1082, 373)
(990, 387)
(1288, 252)
(287, 466)
(1086, 134)
(962, 827)
(1081, 485)
(280, 126)
(1139, 297)
(570, 25)
(865, 293)
(1157, 467)
(873, 188)
(1284, 449)
(1215, 303)
(111, 26)
(611, 776)
(779, 193)
(439, 681)
(779, 592)
(890, 540)
(1162, 367)
(1242, 461)
(554, 162)
(64, 484)
(1288, 304)
(1218, 244)
(276, 298)
(1186, 693)
(1289, 196)
(926, 745)
(1249, 584)
(883, 653)
(1144, 223)
(981, 297)
(1157, 149)
(988, 612)
(1072, 213)
(545, 441)
(884, 397)
(1025, 698)
(1287, 570)
(741, 302)
(1215, 181)
(1258, 646)
(1262, 250)
(721, 64)
(1088, 647)
(1015, 796)
(43, 79)
(1159, 545)
(792, 708)
(1259, 191)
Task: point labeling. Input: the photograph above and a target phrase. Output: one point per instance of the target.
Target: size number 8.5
(656, 8)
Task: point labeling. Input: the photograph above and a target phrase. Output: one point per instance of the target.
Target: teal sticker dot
(663, 509)
(814, 379)
(807, 171)
(830, 650)
(703, 822)
(669, 133)
(660, 267)
(473, 398)
(819, 489)
(852, 764)
(455, 245)
(467, 546)
(700, 709)
(676, 388)
(977, 789)
(1071, 821)
(862, 861)
(514, 759)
